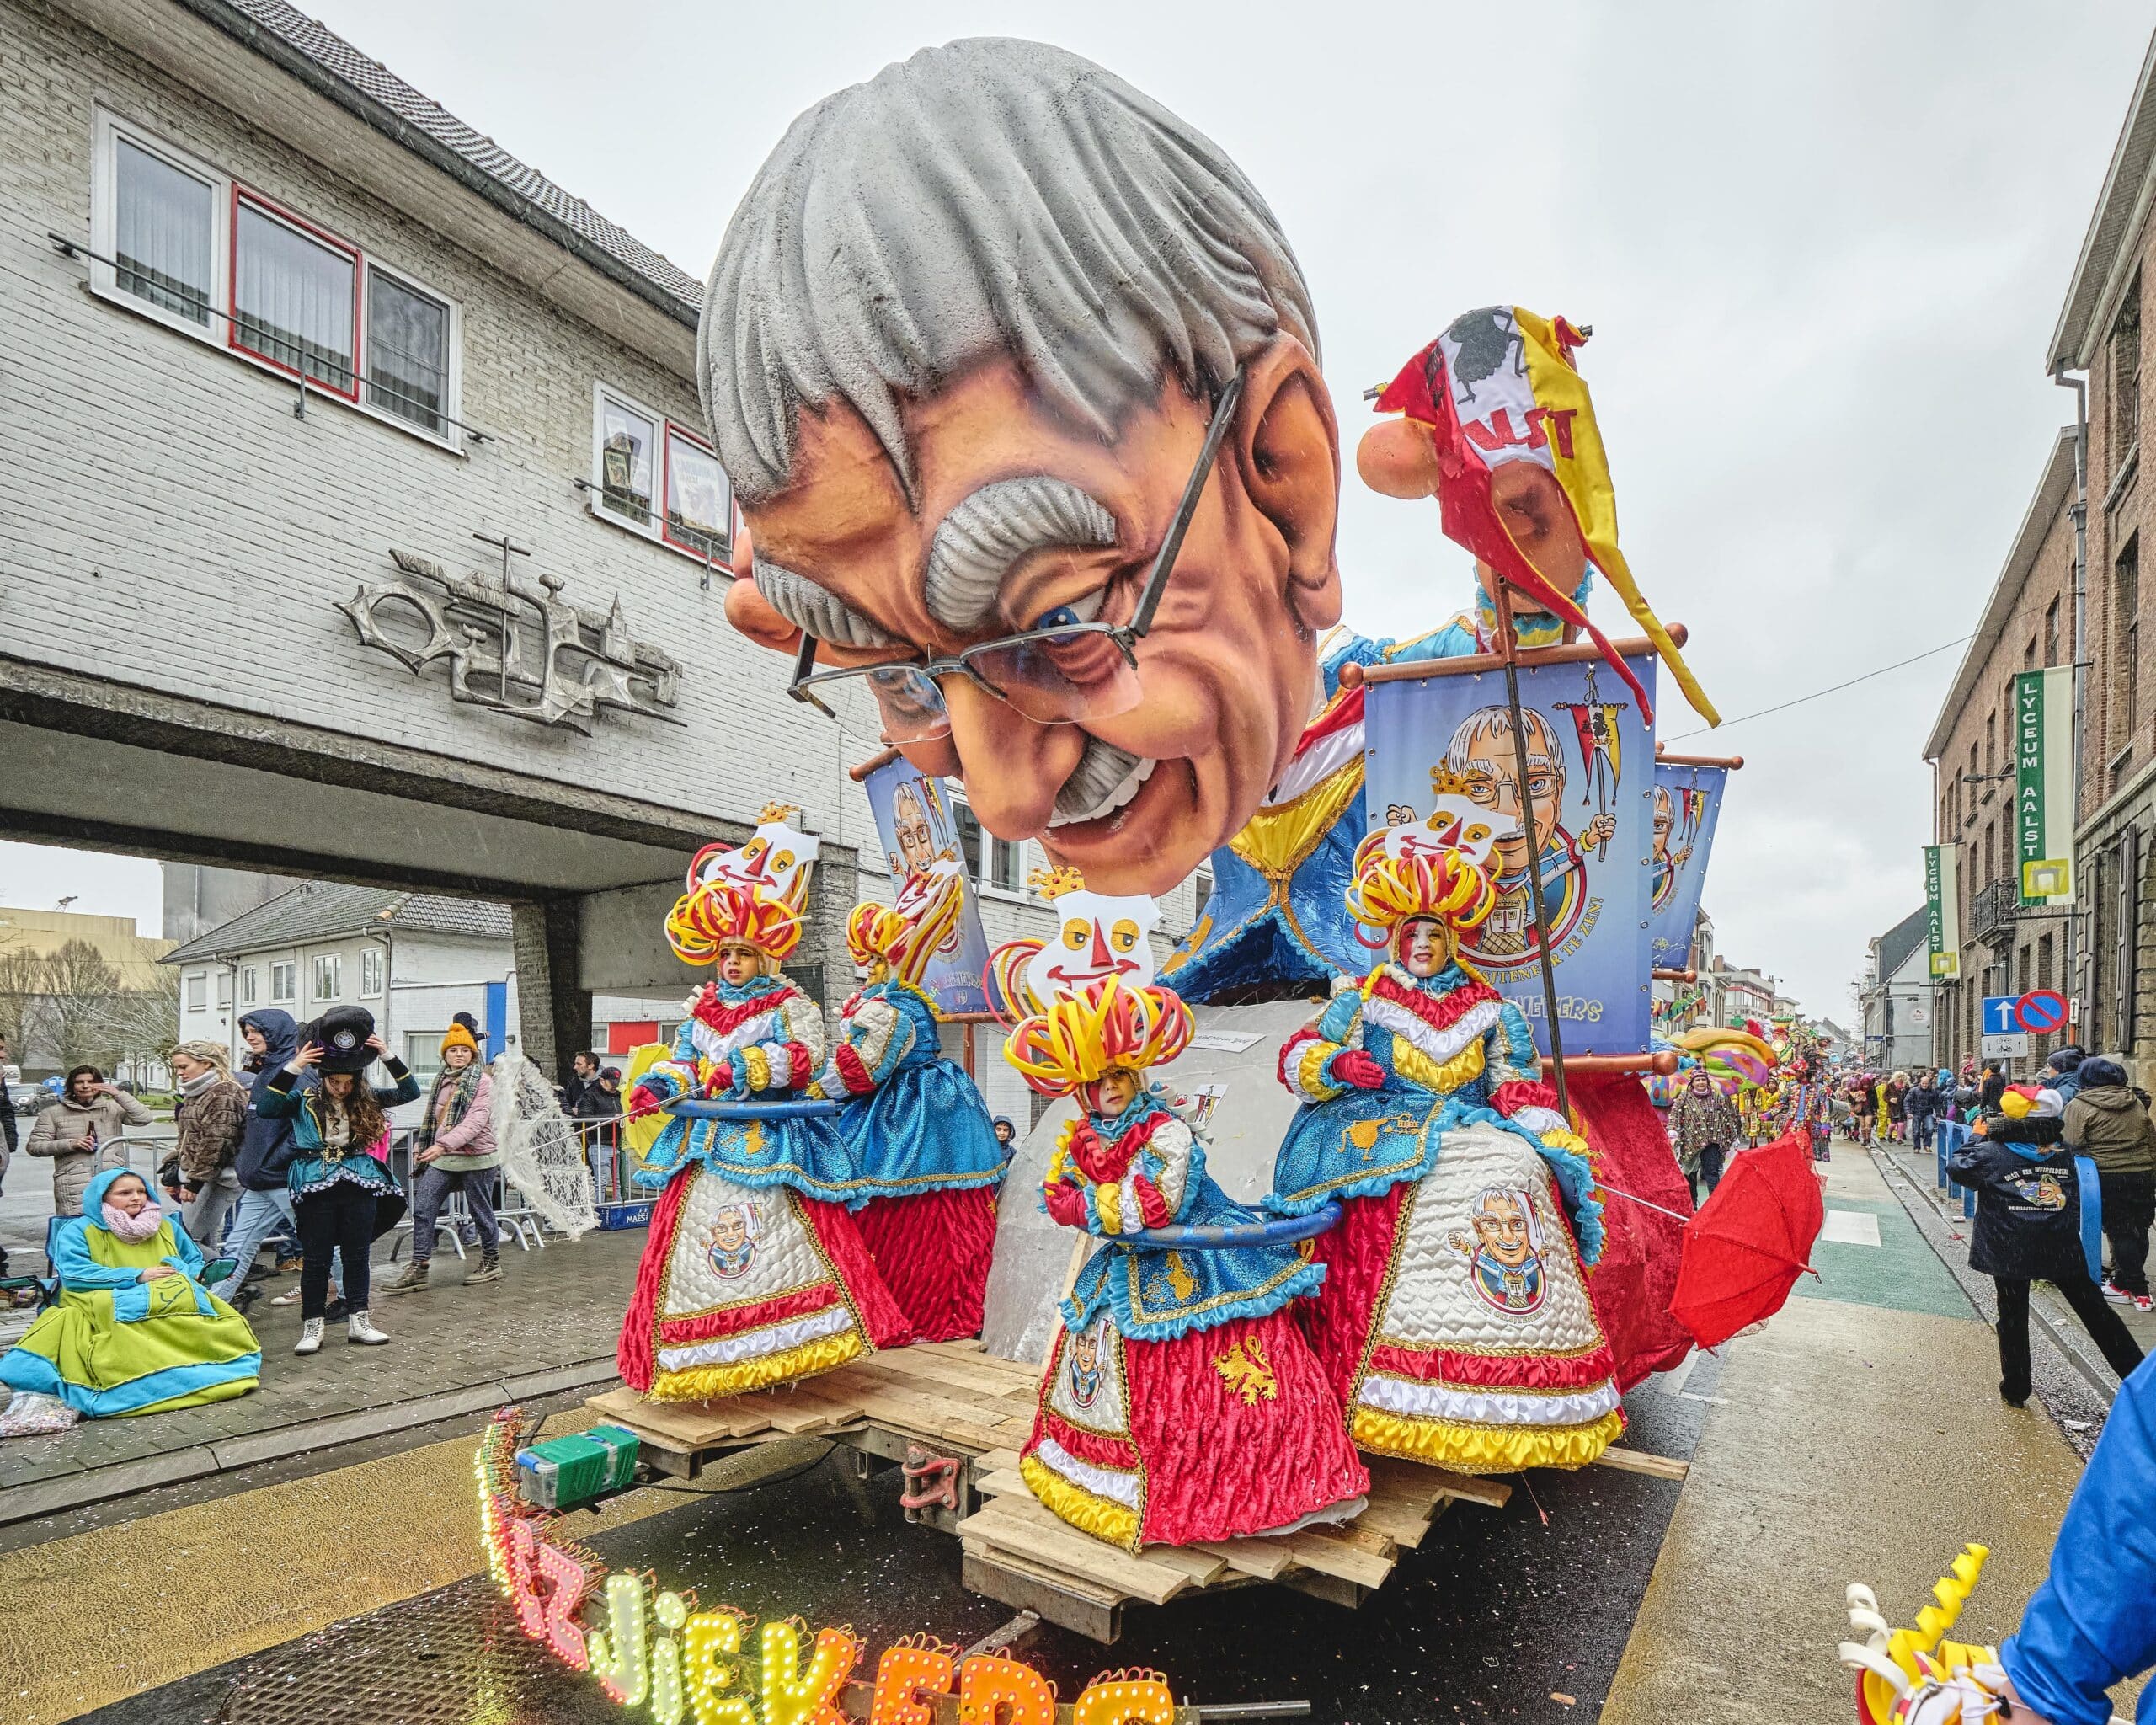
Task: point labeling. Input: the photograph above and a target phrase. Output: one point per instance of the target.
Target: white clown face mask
(1097, 935)
(777, 858)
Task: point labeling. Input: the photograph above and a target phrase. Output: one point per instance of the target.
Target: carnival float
(1356, 1199)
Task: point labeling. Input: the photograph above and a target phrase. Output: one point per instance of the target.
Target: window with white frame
(369, 972)
(198, 991)
(247, 986)
(224, 988)
(285, 981)
(197, 250)
(329, 976)
(659, 478)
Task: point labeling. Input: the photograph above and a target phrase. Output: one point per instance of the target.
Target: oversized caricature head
(1097, 935)
(776, 862)
(963, 342)
(1665, 818)
(1482, 758)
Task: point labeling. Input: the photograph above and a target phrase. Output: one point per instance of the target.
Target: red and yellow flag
(1499, 386)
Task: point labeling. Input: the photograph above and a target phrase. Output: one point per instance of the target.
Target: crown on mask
(723, 913)
(1051, 883)
(785, 812)
(1445, 782)
(1107, 1025)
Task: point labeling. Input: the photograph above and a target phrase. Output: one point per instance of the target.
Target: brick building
(299, 335)
(2099, 333)
(2027, 623)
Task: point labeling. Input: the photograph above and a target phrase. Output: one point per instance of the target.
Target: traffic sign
(2041, 1011)
(1999, 1018)
(2005, 1045)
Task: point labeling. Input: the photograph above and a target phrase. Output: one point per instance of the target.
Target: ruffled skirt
(933, 1251)
(741, 1288)
(1217, 1434)
(1454, 1323)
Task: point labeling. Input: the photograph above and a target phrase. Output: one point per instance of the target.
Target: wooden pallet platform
(955, 1399)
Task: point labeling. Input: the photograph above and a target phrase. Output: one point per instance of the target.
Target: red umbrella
(1750, 1241)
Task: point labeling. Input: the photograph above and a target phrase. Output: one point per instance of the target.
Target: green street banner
(1942, 894)
(2043, 785)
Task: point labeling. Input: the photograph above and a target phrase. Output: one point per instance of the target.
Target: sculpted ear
(746, 607)
(1288, 446)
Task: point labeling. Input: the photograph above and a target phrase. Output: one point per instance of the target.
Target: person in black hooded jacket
(2035, 1212)
(265, 1206)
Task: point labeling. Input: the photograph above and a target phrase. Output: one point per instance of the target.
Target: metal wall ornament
(516, 646)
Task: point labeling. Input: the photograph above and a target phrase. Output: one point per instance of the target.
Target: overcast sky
(1821, 252)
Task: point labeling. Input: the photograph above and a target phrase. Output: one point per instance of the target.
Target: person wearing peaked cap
(455, 1151)
(2038, 1210)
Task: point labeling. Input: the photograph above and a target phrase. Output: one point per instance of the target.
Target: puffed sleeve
(874, 1038)
(788, 1062)
(1307, 1057)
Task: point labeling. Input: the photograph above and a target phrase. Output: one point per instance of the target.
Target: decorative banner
(1942, 894)
(920, 845)
(1687, 803)
(1445, 741)
(2043, 784)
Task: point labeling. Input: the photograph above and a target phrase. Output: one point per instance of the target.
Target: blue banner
(1687, 801)
(1441, 753)
(920, 848)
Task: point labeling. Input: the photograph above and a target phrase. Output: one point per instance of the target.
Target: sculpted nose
(1012, 765)
(1102, 958)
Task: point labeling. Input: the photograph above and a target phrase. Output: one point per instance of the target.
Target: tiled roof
(397, 110)
(326, 910)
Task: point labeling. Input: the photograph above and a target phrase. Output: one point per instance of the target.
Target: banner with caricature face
(1687, 801)
(919, 840)
(1443, 770)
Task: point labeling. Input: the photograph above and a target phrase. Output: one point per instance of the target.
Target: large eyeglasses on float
(1064, 670)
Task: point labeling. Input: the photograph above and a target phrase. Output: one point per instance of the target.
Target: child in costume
(924, 1149)
(1180, 1401)
(133, 1331)
(754, 1273)
(1454, 1322)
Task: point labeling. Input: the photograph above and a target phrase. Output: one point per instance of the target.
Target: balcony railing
(1993, 909)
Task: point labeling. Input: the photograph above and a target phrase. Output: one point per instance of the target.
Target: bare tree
(80, 985)
(22, 975)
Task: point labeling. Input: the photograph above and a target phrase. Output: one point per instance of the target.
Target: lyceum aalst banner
(1942, 896)
(2043, 784)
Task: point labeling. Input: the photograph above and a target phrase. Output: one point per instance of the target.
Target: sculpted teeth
(1120, 772)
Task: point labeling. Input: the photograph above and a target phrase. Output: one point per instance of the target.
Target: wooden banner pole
(1508, 651)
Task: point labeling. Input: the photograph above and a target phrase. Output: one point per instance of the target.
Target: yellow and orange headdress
(722, 913)
(1392, 888)
(905, 941)
(1080, 1037)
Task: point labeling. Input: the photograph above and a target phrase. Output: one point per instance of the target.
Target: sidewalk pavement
(549, 1325)
(1860, 1437)
(2048, 1312)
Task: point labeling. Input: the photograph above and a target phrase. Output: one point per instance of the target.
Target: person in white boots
(337, 1161)
(455, 1151)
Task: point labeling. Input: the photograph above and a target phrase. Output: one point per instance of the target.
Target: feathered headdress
(721, 913)
(1445, 886)
(1077, 1037)
(905, 940)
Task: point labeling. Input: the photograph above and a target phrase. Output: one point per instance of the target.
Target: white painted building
(415, 960)
(297, 323)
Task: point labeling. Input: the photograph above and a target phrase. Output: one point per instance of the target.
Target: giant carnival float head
(1416, 900)
(1016, 377)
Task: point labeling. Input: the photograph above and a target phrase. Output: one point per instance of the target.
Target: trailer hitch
(931, 1482)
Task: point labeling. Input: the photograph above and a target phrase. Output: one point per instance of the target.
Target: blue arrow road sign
(1998, 1015)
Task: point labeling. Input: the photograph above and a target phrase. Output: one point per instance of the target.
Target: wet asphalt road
(1498, 1613)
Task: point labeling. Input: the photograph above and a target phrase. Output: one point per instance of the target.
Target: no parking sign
(2041, 1011)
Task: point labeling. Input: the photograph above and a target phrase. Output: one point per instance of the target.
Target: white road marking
(1852, 1227)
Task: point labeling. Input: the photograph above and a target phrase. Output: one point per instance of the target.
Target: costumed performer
(1454, 1322)
(754, 1273)
(134, 1330)
(924, 1149)
(1180, 1401)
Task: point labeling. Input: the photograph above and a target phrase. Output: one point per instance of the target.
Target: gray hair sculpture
(990, 197)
